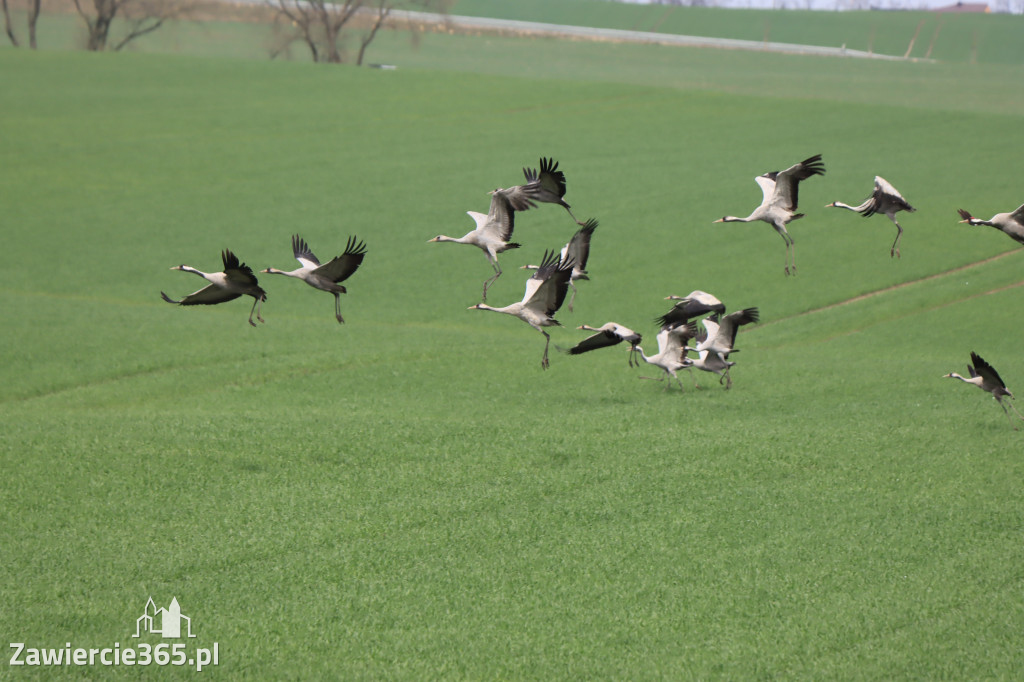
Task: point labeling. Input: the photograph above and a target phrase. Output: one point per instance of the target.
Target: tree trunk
(99, 28)
(331, 31)
(98, 32)
(382, 15)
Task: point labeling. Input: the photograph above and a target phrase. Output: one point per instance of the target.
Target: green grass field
(409, 495)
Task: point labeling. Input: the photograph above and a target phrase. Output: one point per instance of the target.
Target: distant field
(408, 495)
(949, 37)
(946, 85)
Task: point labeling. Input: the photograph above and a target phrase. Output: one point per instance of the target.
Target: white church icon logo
(166, 622)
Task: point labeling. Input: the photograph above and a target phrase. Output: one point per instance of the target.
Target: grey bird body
(237, 279)
(778, 207)
(492, 233)
(326, 277)
(720, 334)
(671, 354)
(985, 377)
(576, 250)
(694, 304)
(545, 292)
(1011, 224)
(546, 186)
(886, 200)
(608, 334)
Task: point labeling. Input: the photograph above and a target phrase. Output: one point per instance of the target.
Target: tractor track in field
(903, 285)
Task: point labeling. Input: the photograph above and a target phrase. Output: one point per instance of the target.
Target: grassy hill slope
(409, 495)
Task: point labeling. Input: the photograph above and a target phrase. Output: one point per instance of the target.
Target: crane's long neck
(189, 268)
(971, 220)
(736, 219)
(974, 381)
(293, 273)
(454, 240)
(839, 204)
(508, 310)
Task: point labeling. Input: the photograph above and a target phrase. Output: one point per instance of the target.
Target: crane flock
(547, 288)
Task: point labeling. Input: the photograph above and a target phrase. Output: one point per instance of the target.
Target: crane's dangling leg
(678, 381)
(895, 250)
(547, 341)
(337, 308)
(257, 301)
(490, 280)
(573, 297)
(790, 248)
(1007, 412)
(572, 216)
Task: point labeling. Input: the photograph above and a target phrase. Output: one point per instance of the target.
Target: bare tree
(323, 25)
(319, 24)
(383, 11)
(142, 17)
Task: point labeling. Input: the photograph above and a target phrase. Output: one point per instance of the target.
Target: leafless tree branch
(383, 11)
(143, 17)
(322, 25)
